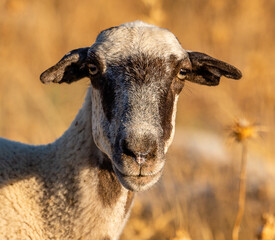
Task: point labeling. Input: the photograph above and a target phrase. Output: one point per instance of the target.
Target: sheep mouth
(138, 182)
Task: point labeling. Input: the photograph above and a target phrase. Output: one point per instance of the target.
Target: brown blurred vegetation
(198, 192)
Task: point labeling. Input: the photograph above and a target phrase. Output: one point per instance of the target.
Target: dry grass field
(197, 197)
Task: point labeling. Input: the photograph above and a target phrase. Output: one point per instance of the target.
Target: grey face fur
(137, 71)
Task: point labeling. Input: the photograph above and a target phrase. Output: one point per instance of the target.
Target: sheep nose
(140, 150)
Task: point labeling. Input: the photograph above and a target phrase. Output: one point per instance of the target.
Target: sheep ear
(69, 69)
(207, 70)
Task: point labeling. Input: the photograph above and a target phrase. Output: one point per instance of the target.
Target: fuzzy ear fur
(208, 71)
(69, 69)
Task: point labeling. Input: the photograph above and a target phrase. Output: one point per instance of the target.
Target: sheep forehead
(136, 38)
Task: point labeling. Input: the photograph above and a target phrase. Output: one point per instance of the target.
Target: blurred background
(197, 197)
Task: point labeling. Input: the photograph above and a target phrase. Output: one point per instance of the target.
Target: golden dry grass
(198, 193)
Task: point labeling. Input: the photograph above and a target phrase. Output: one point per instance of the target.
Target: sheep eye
(93, 69)
(182, 74)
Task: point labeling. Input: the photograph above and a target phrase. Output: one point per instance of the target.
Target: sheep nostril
(139, 156)
(126, 150)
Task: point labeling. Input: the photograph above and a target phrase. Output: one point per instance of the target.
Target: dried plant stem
(242, 193)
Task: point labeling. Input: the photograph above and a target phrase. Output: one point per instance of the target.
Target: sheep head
(137, 72)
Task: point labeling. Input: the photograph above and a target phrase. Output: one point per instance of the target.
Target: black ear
(208, 71)
(69, 69)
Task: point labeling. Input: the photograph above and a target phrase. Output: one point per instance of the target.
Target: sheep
(82, 185)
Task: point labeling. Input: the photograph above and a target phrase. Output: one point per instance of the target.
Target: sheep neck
(85, 190)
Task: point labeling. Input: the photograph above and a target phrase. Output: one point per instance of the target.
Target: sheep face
(134, 93)
(137, 72)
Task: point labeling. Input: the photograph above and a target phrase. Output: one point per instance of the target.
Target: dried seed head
(267, 230)
(242, 130)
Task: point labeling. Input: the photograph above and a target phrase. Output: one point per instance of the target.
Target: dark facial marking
(109, 188)
(168, 97)
(165, 111)
(104, 85)
(130, 198)
(175, 89)
(106, 238)
(108, 99)
(166, 106)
